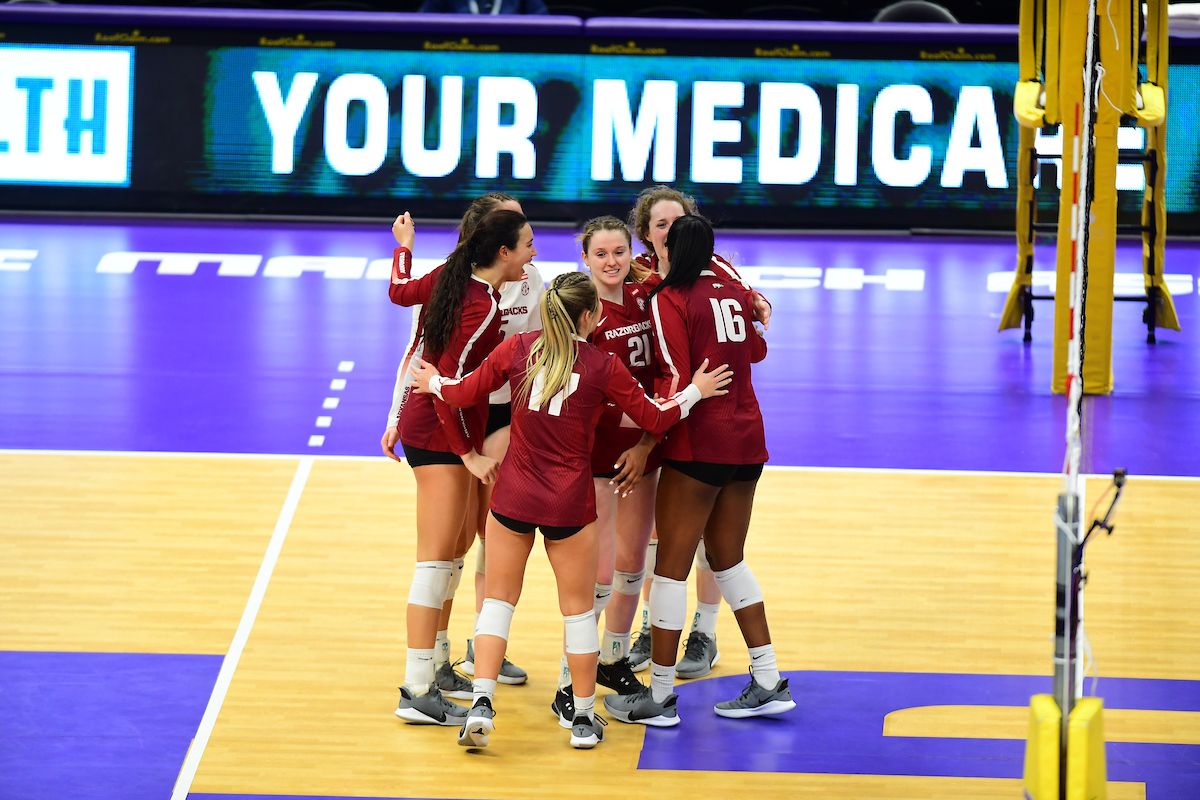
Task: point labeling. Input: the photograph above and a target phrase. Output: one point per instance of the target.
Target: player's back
(548, 464)
(711, 318)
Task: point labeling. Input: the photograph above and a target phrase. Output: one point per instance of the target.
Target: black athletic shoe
(618, 676)
(563, 707)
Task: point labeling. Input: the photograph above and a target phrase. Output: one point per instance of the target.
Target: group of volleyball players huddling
(614, 405)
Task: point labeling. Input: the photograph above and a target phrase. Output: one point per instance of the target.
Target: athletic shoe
(451, 684)
(510, 673)
(563, 707)
(480, 723)
(641, 708)
(587, 733)
(755, 701)
(429, 708)
(639, 654)
(700, 655)
(618, 676)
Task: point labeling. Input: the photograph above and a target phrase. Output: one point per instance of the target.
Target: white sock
(613, 647)
(418, 672)
(441, 649)
(564, 673)
(662, 681)
(646, 619)
(763, 666)
(705, 620)
(585, 705)
(483, 687)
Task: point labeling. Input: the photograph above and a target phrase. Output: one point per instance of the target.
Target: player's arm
(656, 417)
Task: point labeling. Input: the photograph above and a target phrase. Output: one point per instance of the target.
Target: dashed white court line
(187, 774)
(330, 404)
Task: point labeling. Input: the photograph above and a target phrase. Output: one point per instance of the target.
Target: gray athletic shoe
(700, 655)
(587, 733)
(480, 723)
(639, 654)
(755, 701)
(563, 707)
(429, 708)
(510, 673)
(451, 684)
(642, 709)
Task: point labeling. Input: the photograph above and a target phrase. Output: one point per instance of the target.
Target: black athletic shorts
(554, 533)
(717, 474)
(416, 457)
(499, 416)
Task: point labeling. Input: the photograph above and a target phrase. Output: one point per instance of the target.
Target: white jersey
(520, 311)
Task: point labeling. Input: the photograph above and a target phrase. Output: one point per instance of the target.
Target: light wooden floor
(917, 572)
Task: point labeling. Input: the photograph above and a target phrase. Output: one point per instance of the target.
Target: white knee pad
(651, 556)
(668, 603)
(456, 571)
(430, 581)
(601, 595)
(702, 557)
(628, 582)
(738, 586)
(481, 557)
(579, 634)
(495, 618)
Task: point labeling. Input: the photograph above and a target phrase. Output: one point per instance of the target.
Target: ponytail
(481, 247)
(552, 357)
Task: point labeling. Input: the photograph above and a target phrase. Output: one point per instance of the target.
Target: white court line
(187, 774)
(769, 467)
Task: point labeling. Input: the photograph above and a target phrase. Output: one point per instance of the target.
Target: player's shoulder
(533, 276)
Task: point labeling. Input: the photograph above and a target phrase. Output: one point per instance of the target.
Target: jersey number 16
(727, 316)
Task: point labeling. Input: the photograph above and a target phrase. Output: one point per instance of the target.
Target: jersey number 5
(727, 316)
(556, 402)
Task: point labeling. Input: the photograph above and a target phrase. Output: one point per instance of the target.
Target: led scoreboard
(362, 115)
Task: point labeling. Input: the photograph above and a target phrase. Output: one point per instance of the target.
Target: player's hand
(481, 467)
(422, 374)
(630, 467)
(762, 310)
(388, 443)
(404, 230)
(712, 382)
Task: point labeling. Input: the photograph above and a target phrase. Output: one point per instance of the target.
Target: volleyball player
(518, 312)
(459, 326)
(650, 218)
(561, 386)
(711, 465)
(624, 518)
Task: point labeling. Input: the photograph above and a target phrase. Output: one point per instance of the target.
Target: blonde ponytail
(552, 357)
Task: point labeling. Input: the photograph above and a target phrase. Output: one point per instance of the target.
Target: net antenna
(1070, 537)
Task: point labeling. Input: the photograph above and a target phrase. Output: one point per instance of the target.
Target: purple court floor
(884, 350)
(279, 338)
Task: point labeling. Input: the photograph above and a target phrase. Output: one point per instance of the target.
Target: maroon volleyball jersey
(424, 420)
(710, 319)
(546, 476)
(625, 332)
